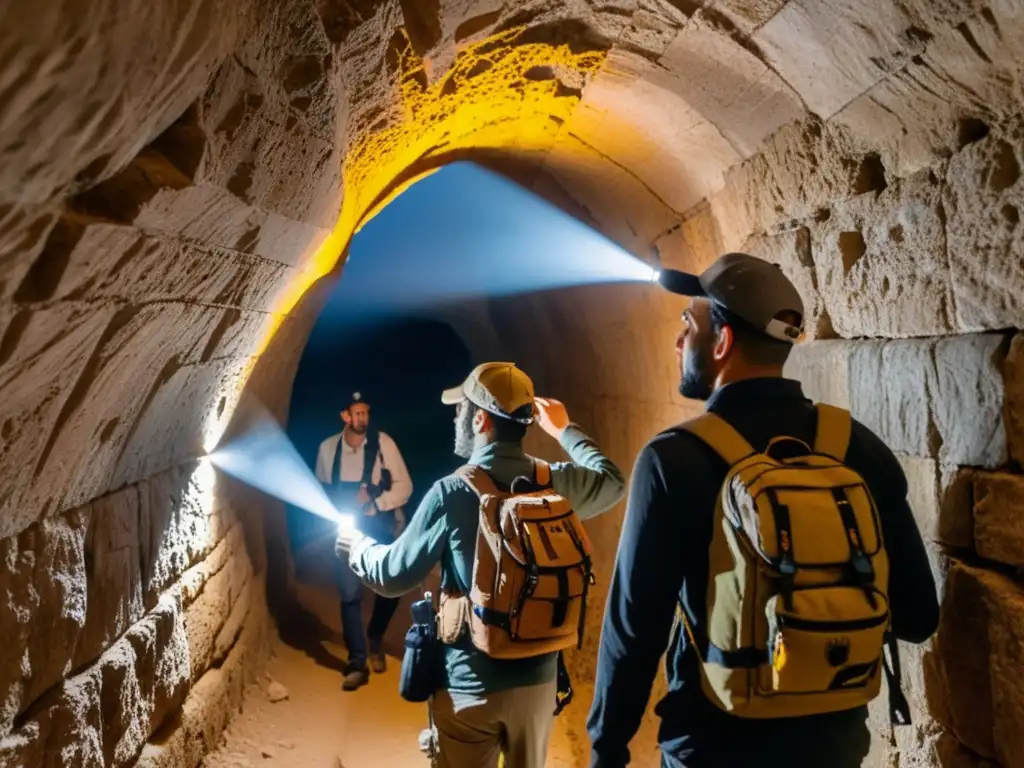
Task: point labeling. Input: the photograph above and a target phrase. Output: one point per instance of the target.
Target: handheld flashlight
(346, 522)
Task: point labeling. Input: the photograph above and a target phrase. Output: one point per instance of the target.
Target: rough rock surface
(942, 399)
(174, 180)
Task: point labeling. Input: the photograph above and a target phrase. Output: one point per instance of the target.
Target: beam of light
(263, 457)
(469, 109)
(467, 232)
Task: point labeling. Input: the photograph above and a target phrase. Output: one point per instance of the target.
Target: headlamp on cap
(754, 290)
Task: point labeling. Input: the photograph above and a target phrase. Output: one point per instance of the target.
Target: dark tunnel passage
(399, 366)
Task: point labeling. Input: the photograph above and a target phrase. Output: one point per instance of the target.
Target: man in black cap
(365, 475)
(739, 328)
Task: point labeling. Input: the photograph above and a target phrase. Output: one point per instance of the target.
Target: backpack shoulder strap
(371, 447)
(541, 473)
(832, 435)
(478, 481)
(336, 464)
(720, 436)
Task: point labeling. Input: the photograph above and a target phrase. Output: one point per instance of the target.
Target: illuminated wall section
(500, 96)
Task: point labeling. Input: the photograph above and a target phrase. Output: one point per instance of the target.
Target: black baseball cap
(356, 398)
(753, 289)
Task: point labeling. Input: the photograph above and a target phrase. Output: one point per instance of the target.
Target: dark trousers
(352, 616)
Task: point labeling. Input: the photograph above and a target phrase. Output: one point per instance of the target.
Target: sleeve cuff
(355, 555)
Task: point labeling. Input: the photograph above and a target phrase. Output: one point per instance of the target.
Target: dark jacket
(663, 559)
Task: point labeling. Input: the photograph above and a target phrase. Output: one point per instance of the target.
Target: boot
(355, 677)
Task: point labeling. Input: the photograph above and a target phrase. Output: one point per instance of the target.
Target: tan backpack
(797, 601)
(531, 573)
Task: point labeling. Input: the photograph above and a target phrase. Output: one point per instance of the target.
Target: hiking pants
(384, 608)
(475, 730)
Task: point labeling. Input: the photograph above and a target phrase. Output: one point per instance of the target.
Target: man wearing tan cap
(677, 579)
(487, 707)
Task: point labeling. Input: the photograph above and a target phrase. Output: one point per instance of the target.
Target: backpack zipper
(831, 626)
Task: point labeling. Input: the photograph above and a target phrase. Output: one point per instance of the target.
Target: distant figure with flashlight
(366, 477)
(769, 544)
(501, 700)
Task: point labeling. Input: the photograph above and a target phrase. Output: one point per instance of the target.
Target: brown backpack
(531, 572)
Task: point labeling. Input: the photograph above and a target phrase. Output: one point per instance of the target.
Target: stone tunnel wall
(914, 287)
(169, 171)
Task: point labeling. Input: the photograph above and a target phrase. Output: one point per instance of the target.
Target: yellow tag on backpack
(797, 600)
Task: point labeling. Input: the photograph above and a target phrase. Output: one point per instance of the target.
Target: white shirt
(352, 460)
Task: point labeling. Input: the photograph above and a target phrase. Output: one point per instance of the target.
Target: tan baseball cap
(755, 290)
(498, 388)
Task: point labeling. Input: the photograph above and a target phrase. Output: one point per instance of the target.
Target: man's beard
(358, 430)
(464, 433)
(697, 382)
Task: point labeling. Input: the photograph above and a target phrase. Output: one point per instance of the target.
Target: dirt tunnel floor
(321, 726)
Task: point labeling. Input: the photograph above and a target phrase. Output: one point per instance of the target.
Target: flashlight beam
(264, 458)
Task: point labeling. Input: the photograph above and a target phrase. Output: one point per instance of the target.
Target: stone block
(104, 714)
(113, 573)
(112, 261)
(193, 581)
(952, 754)
(941, 399)
(1006, 640)
(985, 239)
(923, 496)
(824, 369)
(43, 607)
(206, 616)
(56, 345)
(574, 165)
(1013, 380)
(916, 115)
(67, 122)
(714, 66)
(24, 233)
(956, 507)
(888, 393)
(183, 520)
(184, 418)
(881, 261)
(746, 15)
(141, 349)
(965, 650)
(811, 164)
(864, 43)
(999, 517)
(185, 739)
(234, 623)
(966, 399)
(693, 243)
(791, 250)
